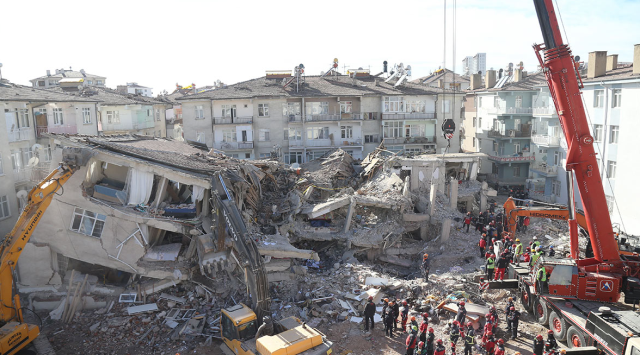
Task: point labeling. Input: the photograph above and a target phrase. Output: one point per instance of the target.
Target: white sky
(161, 43)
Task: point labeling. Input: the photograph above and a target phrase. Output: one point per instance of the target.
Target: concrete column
(432, 198)
(473, 171)
(453, 193)
(483, 196)
(352, 207)
(423, 233)
(407, 186)
(446, 230)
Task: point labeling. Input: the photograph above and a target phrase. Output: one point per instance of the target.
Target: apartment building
(60, 75)
(29, 114)
(301, 119)
(500, 125)
(442, 78)
(135, 89)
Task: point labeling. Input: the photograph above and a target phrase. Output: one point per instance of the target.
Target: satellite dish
(37, 147)
(33, 162)
(22, 194)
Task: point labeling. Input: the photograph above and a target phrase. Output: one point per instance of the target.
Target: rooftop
(624, 73)
(13, 92)
(67, 73)
(445, 74)
(528, 83)
(314, 86)
(105, 96)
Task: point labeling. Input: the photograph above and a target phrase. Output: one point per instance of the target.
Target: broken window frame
(97, 220)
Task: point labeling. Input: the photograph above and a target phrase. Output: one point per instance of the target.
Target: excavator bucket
(76, 156)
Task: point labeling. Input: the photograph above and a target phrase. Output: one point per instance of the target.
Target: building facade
(135, 89)
(53, 80)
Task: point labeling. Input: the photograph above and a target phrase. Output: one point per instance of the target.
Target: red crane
(603, 276)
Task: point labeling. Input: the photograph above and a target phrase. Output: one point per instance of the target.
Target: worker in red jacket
(488, 326)
(412, 340)
(500, 347)
(405, 315)
(424, 325)
(467, 220)
(490, 343)
(483, 245)
(439, 348)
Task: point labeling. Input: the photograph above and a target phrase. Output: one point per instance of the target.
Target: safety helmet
(469, 324)
(563, 351)
(484, 234)
(462, 303)
(425, 315)
(413, 318)
(512, 308)
(535, 238)
(391, 303)
(421, 344)
(550, 246)
(488, 315)
(439, 341)
(510, 299)
(493, 239)
(517, 353)
(430, 330)
(539, 336)
(455, 322)
(518, 240)
(500, 341)
(370, 298)
(386, 300)
(404, 302)
(493, 308)
(425, 256)
(549, 331)
(468, 213)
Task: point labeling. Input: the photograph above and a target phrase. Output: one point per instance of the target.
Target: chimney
(48, 72)
(612, 62)
(597, 64)
(524, 74)
(636, 59)
(517, 75)
(490, 79)
(476, 81)
(193, 87)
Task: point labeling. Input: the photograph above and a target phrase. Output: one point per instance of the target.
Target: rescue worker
(454, 332)
(412, 340)
(425, 266)
(420, 349)
(396, 313)
(490, 343)
(507, 309)
(389, 320)
(526, 257)
(535, 243)
(551, 339)
(369, 313)
(499, 348)
(467, 221)
(525, 223)
(501, 265)
(497, 246)
(439, 350)
(490, 266)
(469, 341)
(266, 328)
(514, 319)
(541, 277)
(538, 345)
(430, 341)
(414, 323)
(535, 256)
(488, 327)
(424, 325)
(517, 252)
(404, 315)
(461, 316)
(552, 252)
(494, 318)
(385, 305)
(482, 244)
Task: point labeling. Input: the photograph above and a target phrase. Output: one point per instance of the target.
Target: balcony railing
(545, 169)
(233, 120)
(544, 111)
(547, 141)
(62, 129)
(351, 116)
(293, 118)
(410, 140)
(20, 134)
(35, 174)
(233, 145)
(511, 158)
(317, 118)
(509, 133)
(408, 116)
(511, 110)
(296, 143)
(316, 143)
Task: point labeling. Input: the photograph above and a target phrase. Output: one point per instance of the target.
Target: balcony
(34, 175)
(410, 140)
(409, 116)
(510, 133)
(351, 116)
(61, 129)
(545, 141)
(233, 120)
(233, 145)
(511, 158)
(319, 118)
(293, 118)
(325, 143)
(20, 134)
(544, 111)
(544, 169)
(511, 110)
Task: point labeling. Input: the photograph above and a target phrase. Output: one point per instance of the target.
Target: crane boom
(562, 77)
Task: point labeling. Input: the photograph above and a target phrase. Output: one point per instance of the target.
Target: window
(345, 106)
(317, 108)
(518, 101)
(371, 138)
(480, 122)
(473, 142)
(346, 131)
(391, 129)
(610, 202)
(393, 104)
(264, 135)
(613, 135)
(598, 98)
(416, 106)
(157, 114)
(57, 116)
(475, 121)
(516, 147)
(293, 157)
(611, 169)
(318, 133)
(480, 102)
(617, 98)
(200, 137)
(200, 112)
(516, 171)
(557, 157)
(86, 115)
(496, 146)
(87, 222)
(4, 207)
(148, 112)
(89, 82)
(291, 108)
(228, 111)
(24, 117)
(263, 110)
(247, 155)
(597, 133)
(113, 117)
(494, 168)
(16, 159)
(99, 82)
(293, 134)
(496, 102)
(415, 130)
(446, 106)
(557, 188)
(229, 135)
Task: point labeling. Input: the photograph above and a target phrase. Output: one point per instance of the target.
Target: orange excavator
(15, 334)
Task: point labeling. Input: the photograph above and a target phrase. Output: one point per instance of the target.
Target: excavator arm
(512, 212)
(15, 334)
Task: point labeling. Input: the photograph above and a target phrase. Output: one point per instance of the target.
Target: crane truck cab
(239, 324)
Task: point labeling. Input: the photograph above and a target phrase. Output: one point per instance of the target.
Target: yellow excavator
(15, 334)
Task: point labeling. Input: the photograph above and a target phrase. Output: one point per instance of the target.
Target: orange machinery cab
(15, 336)
(238, 327)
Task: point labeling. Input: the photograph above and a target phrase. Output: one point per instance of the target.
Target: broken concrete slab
(166, 252)
(280, 276)
(318, 210)
(376, 281)
(278, 246)
(166, 296)
(278, 265)
(142, 308)
(395, 260)
(415, 217)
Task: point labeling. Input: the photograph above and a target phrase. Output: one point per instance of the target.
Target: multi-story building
(611, 95)
(60, 75)
(474, 65)
(303, 120)
(135, 89)
(501, 125)
(25, 155)
(444, 78)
